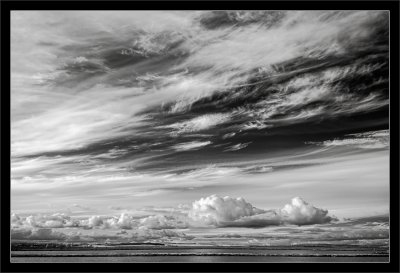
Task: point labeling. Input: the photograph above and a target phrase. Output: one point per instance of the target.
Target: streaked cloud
(193, 145)
(237, 147)
(367, 140)
(199, 123)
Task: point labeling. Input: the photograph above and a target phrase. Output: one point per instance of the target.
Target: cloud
(124, 221)
(296, 223)
(255, 124)
(193, 145)
(208, 172)
(237, 147)
(223, 19)
(37, 234)
(90, 97)
(228, 135)
(162, 222)
(144, 233)
(140, 234)
(258, 169)
(215, 61)
(15, 219)
(214, 210)
(208, 211)
(367, 140)
(56, 220)
(186, 76)
(300, 212)
(263, 219)
(95, 221)
(299, 33)
(200, 123)
(228, 211)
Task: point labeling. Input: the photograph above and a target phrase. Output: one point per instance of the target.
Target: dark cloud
(218, 19)
(37, 234)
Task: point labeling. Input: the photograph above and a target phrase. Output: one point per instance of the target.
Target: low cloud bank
(37, 234)
(141, 234)
(211, 211)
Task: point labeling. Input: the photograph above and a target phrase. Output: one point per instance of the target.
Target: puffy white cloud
(125, 221)
(215, 210)
(57, 220)
(300, 212)
(95, 221)
(228, 211)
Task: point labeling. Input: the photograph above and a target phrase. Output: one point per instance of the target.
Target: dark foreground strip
(197, 254)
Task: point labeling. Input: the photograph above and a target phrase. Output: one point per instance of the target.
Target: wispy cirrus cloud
(368, 140)
(199, 123)
(193, 145)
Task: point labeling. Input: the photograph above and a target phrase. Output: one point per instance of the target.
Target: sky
(136, 125)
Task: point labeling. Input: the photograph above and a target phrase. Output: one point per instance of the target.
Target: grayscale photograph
(199, 136)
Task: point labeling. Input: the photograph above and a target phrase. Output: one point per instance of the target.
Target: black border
(393, 6)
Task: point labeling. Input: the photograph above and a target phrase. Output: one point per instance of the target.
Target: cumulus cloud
(124, 221)
(56, 220)
(300, 212)
(214, 210)
(95, 221)
(228, 211)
